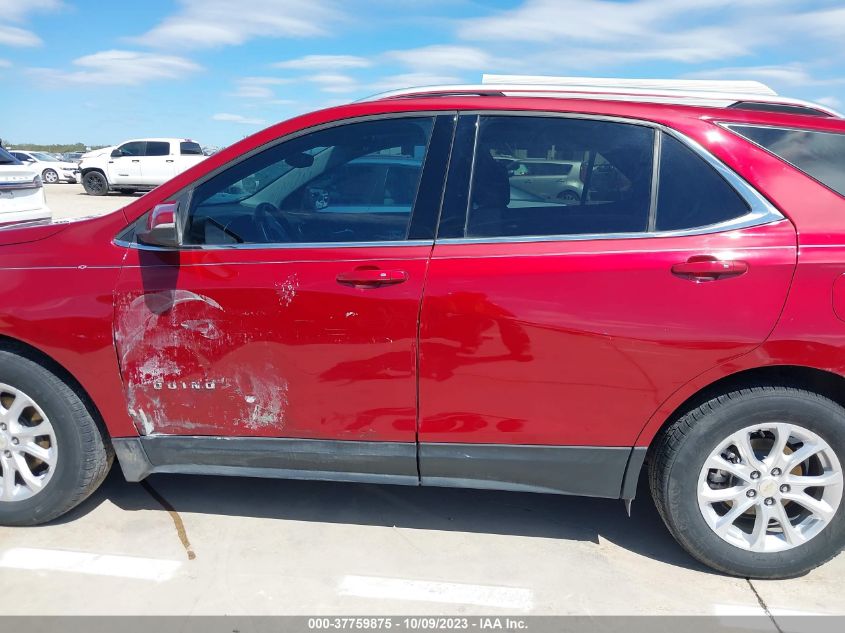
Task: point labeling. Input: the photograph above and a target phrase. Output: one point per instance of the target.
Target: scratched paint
(176, 349)
(286, 290)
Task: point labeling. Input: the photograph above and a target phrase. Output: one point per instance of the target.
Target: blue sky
(216, 70)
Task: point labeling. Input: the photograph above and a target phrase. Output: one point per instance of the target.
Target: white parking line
(445, 592)
(154, 569)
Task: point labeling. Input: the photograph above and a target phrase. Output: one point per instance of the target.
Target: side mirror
(116, 153)
(161, 226)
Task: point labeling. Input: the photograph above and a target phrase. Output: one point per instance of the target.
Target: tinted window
(157, 148)
(571, 177)
(135, 148)
(351, 183)
(190, 148)
(820, 155)
(691, 192)
(6, 158)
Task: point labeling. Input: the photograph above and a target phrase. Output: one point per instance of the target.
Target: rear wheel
(95, 183)
(751, 482)
(50, 176)
(53, 454)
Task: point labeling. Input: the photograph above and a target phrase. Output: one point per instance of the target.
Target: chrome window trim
(186, 193)
(274, 246)
(761, 211)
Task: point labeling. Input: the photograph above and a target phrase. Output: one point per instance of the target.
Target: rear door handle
(169, 160)
(372, 277)
(709, 268)
(136, 160)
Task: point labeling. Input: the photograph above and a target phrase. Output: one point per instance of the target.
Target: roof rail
(694, 92)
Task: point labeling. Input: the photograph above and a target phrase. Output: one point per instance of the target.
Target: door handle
(372, 277)
(136, 160)
(168, 160)
(709, 268)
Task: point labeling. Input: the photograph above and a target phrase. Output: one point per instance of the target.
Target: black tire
(50, 176)
(569, 196)
(84, 451)
(679, 453)
(95, 183)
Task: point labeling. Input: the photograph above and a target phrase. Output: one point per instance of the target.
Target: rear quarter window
(188, 148)
(820, 155)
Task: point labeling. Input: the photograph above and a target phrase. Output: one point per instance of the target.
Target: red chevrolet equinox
(515, 287)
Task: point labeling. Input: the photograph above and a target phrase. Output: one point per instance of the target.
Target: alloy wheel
(28, 449)
(770, 487)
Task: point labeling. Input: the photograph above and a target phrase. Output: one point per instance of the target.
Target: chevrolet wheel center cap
(768, 488)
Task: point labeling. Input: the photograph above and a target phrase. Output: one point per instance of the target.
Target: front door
(546, 323)
(290, 311)
(124, 166)
(158, 165)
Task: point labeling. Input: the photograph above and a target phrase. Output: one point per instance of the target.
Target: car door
(124, 165)
(158, 164)
(550, 332)
(275, 318)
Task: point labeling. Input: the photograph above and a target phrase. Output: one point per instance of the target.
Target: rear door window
(820, 155)
(570, 177)
(157, 148)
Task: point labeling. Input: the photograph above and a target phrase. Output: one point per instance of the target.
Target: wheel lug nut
(15, 441)
(775, 472)
(2, 427)
(755, 475)
(769, 501)
(784, 488)
(7, 453)
(751, 494)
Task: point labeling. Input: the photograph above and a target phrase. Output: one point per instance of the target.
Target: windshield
(7, 159)
(42, 156)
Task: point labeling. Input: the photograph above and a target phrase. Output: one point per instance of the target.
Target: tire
(50, 176)
(81, 452)
(570, 197)
(677, 476)
(95, 183)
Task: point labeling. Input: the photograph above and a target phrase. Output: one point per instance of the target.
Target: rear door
(550, 331)
(158, 164)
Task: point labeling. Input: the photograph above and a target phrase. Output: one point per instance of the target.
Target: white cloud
(17, 11)
(406, 80)
(211, 23)
(324, 62)
(794, 74)
(237, 118)
(5, 63)
(831, 102)
(14, 36)
(442, 57)
(257, 87)
(120, 68)
(334, 82)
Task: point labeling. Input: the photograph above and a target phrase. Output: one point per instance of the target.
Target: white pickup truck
(141, 164)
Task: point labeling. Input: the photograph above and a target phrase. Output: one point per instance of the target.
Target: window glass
(556, 176)
(157, 148)
(351, 183)
(134, 148)
(820, 155)
(7, 159)
(189, 148)
(691, 193)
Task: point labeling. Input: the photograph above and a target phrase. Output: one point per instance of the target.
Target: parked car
(21, 192)
(72, 157)
(688, 331)
(138, 165)
(51, 169)
(548, 179)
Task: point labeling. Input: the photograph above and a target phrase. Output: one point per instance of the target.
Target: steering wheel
(273, 225)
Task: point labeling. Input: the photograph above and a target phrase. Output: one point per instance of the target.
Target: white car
(21, 192)
(51, 169)
(140, 164)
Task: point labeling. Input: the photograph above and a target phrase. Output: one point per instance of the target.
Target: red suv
(358, 294)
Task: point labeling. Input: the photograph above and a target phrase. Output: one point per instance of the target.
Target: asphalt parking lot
(214, 545)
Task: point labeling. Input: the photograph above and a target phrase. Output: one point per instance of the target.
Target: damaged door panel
(268, 344)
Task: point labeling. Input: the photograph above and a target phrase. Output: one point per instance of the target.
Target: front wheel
(95, 183)
(50, 176)
(751, 484)
(52, 452)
